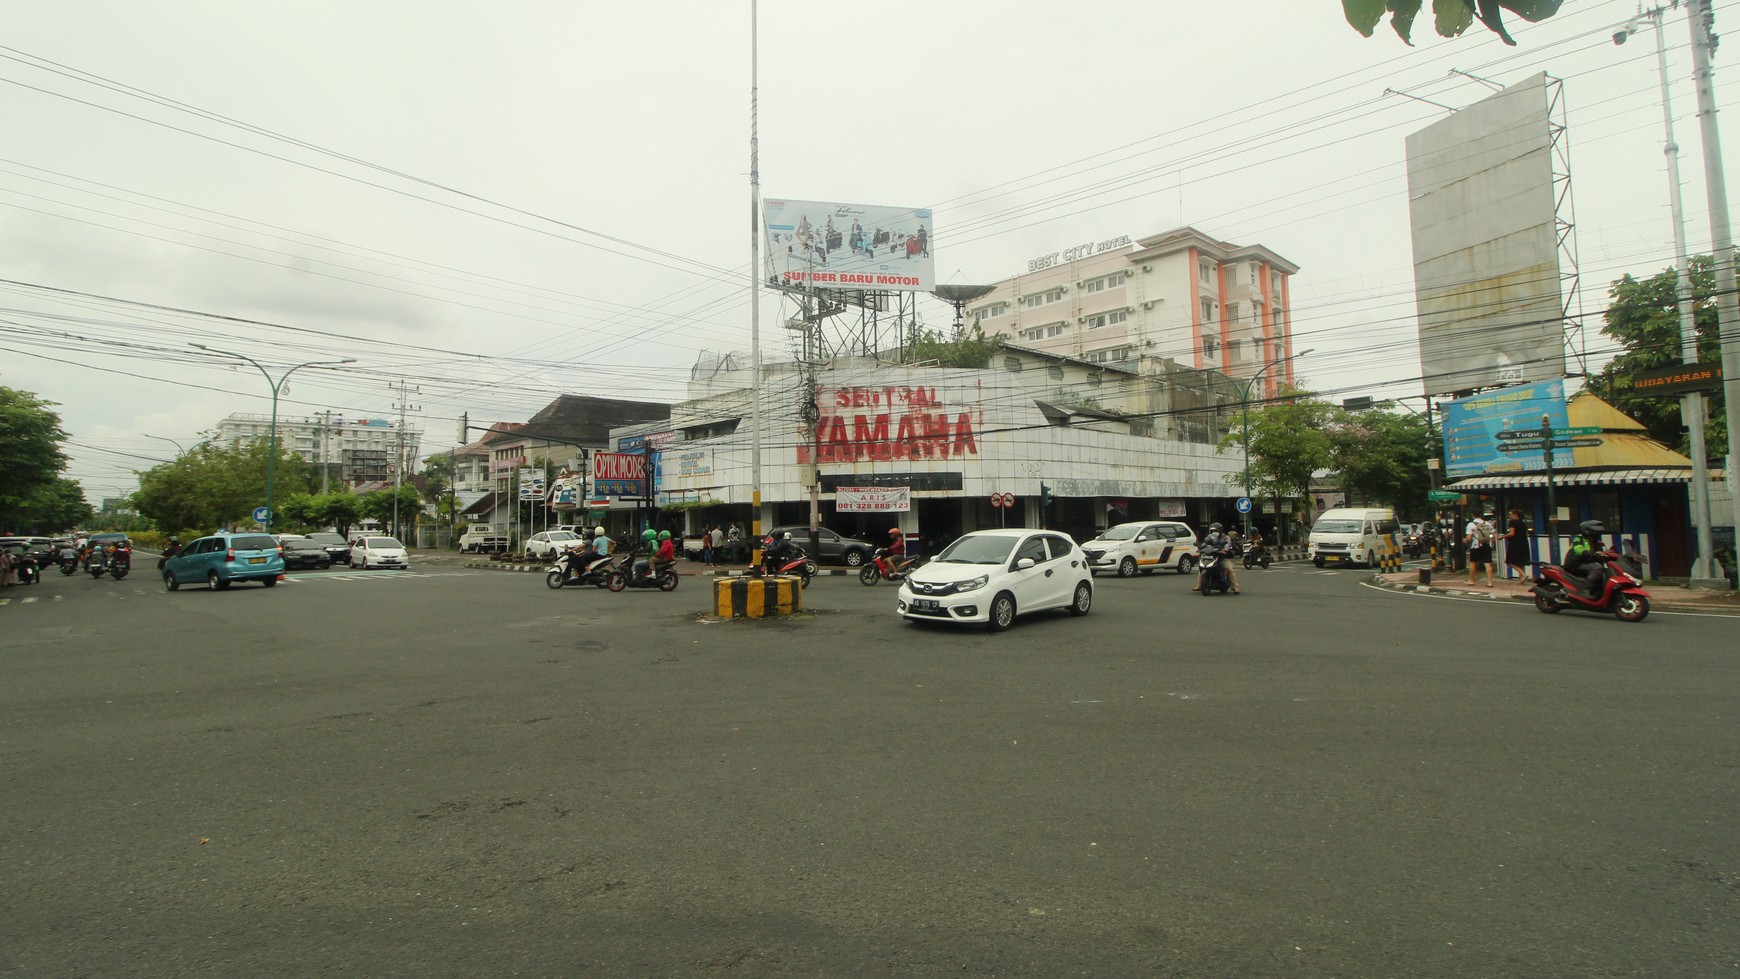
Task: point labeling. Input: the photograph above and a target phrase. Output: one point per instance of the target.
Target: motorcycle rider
(781, 551)
(1217, 542)
(171, 548)
(649, 544)
(600, 548)
(1586, 560)
(897, 551)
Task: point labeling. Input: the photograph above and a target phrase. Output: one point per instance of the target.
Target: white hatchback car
(378, 552)
(991, 576)
(550, 543)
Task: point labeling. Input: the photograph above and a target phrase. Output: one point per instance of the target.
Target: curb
(1663, 604)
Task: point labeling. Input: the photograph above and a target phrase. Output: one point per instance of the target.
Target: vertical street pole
(1699, 14)
(754, 291)
(1552, 503)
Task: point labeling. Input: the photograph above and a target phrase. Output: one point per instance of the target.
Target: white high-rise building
(1181, 296)
(353, 449)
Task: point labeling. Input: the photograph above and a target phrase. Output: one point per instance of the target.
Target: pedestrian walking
(716, 537)
(1516, 548)
(706, 545)
(735, 538)
(1479, 536)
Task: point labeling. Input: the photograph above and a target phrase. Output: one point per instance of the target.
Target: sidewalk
(1667, 598)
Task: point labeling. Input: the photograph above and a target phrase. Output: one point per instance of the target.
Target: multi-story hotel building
(1180, 296)
(349, 449)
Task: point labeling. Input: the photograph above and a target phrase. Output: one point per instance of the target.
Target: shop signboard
(872, 499)
(619, 473)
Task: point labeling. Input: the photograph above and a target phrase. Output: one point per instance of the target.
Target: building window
(1043, 298)
(1108, 282)
(1204, 273)
(1210, 347)
(1232, 312)
(1012, 365)
(1055, 372)
(987, 312)
(1605, 508)
(1112, 318)
(1255, 268)
(1208, 311)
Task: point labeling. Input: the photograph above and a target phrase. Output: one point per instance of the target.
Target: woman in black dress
(1516, 547)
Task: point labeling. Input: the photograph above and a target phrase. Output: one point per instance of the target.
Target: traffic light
(1044, 497)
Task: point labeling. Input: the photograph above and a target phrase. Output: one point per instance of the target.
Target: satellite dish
(959, 296)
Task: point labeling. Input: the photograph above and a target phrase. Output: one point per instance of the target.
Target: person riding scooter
(1587, 558)
(1217, 542)
(649, 545)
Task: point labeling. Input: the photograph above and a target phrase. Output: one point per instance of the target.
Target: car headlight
(974, 584)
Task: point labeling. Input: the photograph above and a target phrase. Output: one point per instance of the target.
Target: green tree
(1289, 441)
(338, 510)
(214, 485)
(968, 348)
(298, 511)
(1449, 17)
(30, 455)
(1643, 316)
(57, 506)
(1381, 457)
(437, 474)
(379, 506)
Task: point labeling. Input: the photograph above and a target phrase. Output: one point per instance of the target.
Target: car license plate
(1333, 557)
(924, 605)
(256, 560)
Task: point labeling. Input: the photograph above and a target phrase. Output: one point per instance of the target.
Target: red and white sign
(872, 499)
(1002, 499)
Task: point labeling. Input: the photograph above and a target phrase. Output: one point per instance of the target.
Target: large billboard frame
(1487, 242)
(830, 245)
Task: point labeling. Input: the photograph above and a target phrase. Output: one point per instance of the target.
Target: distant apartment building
(351, 450)
(1180, 296)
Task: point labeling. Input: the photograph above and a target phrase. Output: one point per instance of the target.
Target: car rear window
(254, 542)
(384, 542)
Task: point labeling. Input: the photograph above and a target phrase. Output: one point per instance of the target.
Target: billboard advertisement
(619, 474)
(822, 245)
(872, 499)
(1482, 210)
(1472, 425)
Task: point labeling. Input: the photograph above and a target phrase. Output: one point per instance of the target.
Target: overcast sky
(502, 202)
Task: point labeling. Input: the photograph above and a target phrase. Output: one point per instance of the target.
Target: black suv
(835, 549)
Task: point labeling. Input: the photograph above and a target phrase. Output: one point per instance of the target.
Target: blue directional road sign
(262, 515)
(1244, 504)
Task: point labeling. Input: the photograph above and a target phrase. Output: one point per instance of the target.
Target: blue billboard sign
(1472, 426)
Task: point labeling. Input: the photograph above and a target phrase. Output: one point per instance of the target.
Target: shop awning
(1612, 477)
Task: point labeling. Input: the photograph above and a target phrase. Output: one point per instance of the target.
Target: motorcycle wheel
(1263, 562)
(668, 581)
(1203, 588)
(555, 579)
(1631, 608)
(616, 581)
(1547, 603)
(806, 576)
(118, 573)
(869, 575)
(69, 569)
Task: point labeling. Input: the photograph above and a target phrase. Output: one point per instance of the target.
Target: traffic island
(757, 597)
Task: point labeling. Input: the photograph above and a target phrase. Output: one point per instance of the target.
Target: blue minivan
(221, 559)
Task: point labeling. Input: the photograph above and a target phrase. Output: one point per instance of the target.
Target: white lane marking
(1530, 606)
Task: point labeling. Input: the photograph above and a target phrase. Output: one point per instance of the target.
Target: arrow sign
(1519, 435)
(1577, 443)
(1560, 433)
(1534, 445)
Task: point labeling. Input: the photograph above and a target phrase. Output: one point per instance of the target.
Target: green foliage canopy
(214, 486)
(1449, 17)
(30, 456)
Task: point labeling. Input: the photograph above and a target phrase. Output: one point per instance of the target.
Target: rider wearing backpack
(1479, 535)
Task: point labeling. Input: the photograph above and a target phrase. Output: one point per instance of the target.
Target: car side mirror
(1024, 564)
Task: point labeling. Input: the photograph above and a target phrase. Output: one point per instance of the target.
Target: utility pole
(1702, 18)
(403, 405)
(325, 447)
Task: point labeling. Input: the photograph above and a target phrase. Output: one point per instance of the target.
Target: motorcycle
(794, 564)
(883, 567)
(27, 569)
(120, 563)
(1621, 594)
(594, 570)
(1210, 575)
(1256, 556)
(69, 565)
(97, 564)
(662, 575)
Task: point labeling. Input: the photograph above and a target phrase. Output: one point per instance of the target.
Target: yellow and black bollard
(756, 597)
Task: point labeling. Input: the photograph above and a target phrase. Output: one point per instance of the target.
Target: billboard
(619, 474)
(821, 245)
(1472, 426)
(1481, 207)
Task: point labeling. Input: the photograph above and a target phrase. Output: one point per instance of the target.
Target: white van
(482, 538)
(1351, 535)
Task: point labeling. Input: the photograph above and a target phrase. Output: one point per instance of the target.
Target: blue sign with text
(1472, 425)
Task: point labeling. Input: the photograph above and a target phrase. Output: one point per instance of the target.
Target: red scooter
(883, 566)
(1621, 594)
(795, 564)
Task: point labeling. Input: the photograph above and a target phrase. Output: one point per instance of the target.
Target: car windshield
(978, 550)
(302, 545)
(254, 542)
(328, 539)
(562, 535)
(1120, 533)
(1337, 527)
(384, 542)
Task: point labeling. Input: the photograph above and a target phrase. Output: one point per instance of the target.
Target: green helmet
(650, 534)
(664, 535)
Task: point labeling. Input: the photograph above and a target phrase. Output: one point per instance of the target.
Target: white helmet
(598, 532)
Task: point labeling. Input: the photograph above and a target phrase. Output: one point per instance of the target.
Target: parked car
(549, 543)
(300, 552)
(834, 548)
(378, 552)
(223, 559)
(992, 576)
(1146, 546)
(336, 546)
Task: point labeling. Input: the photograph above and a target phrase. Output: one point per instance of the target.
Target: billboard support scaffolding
(1565, 222)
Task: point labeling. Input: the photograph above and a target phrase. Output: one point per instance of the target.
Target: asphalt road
(462, 773)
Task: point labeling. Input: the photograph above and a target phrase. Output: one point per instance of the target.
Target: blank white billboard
(1486, 246)
(816, 244)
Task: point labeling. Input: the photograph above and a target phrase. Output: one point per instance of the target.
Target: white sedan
(991, 576)
(550, 543)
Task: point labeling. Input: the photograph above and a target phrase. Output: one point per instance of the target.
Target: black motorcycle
(27, 569)
(662, 575)
(97, 564)
(120, 563)
(69, 565)
(1256, 556)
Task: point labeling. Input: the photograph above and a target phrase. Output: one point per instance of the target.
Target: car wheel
(854, 558)
(1084, 599)
(1186, 564)
(269, 582)
(214, 582)
(1317, 561)
(364, 565)
(169, 582)
(324, 565)
(1127, 568)
(1002, 612)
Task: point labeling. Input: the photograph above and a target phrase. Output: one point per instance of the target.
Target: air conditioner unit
(1147, 305)
(1147, 268)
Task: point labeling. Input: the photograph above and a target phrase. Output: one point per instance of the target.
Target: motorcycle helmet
(664, 535)
(1215, 528)
(650, 535)
(894, 531)
(1592, 527)
(786, 535)
(598, 532)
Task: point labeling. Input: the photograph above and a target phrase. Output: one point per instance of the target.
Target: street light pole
(178, 449)
(276, 386)
(1245, 405)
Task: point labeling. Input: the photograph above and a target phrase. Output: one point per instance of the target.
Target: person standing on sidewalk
(1479, 535)
(1516, 548)
(735, 538)
(707, 544)
(716, 537)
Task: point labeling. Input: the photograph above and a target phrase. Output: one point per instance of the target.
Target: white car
(991, 576)
(1146, 546)
(378, 552)
(550, 543)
